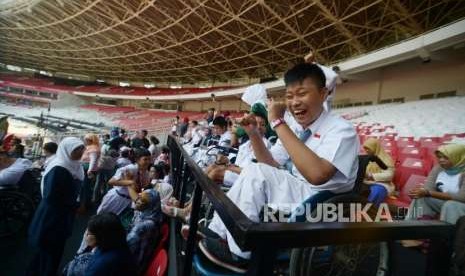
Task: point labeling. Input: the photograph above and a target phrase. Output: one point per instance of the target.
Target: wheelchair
(353, 259)
(18, 202)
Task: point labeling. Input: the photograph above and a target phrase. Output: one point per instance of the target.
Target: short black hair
(194, 122)
(51, 147)
(154, 140)
(126, 153)
(145, 132)
(220, 121)
(165, 149)
(108, 231)
(302, 71)
(141, 152)
(160, 169)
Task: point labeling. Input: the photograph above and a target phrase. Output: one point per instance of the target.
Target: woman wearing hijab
(145, 227)
(443, 193)
(378, 179)
(53, 220)
(444, 187)
(90, 163)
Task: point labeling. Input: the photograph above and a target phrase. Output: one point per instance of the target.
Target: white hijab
(63, 159)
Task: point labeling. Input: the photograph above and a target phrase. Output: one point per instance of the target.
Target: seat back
(29, 183)
(159, 264)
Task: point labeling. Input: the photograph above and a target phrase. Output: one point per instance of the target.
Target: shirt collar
(315, 125)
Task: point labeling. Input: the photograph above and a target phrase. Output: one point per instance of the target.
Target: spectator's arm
(384, 176)
(262, 154)
(93, 163)
(313, 168)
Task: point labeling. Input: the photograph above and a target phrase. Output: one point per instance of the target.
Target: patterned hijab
(152, 210)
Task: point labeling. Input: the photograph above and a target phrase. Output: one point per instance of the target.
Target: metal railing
(265, 239)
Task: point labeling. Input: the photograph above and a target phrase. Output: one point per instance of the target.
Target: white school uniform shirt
(245, 154)
(225, 139)
(450, 183)
(133, 169)
(333, 139)
(12, 174)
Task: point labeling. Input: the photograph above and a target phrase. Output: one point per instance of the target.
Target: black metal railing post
(193, 224)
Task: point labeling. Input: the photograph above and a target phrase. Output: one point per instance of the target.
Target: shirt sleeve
(93, 166)
(11, 175)
(119, 173)
(340, 147)
(279, 153)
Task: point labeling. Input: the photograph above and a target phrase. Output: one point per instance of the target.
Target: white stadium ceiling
(174, 41)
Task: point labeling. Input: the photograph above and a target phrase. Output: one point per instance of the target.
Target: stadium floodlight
(13, 68)
(45, 73)
(30, 69)
(175, 86)
(149, 85)
(100, 81)
(124, 84)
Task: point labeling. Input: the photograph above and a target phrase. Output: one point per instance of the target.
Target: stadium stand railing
(265, 239)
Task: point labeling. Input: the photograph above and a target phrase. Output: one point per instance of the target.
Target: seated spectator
(17, 149)
(220, 128)
(164, 156)
(228, 173)
(444, 186)
(11, 168)
(117, 199)
(323, 149)
(378, 179)
(157, 174)
(144, 230)
(116, 141)
(110, 254)
(124, 160)
(140, 140)
(153, 148)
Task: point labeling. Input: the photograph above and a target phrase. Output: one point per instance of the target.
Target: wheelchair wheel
(368, 259)
(16, 210)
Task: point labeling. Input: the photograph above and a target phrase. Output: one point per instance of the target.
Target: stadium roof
(172, 41)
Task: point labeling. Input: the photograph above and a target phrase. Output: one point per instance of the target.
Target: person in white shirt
(220, 128)
(124, 160)
(12, 169)
(228, 173)
(323, 149)
(153, 148)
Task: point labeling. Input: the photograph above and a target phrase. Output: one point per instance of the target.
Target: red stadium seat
(405, 153)
(407, 144)
(159, 264)
(403, 200)
(409, 167)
